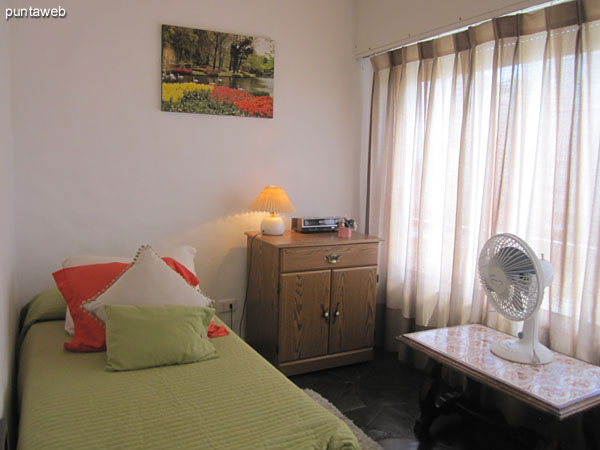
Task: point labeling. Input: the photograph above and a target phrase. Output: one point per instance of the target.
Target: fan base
(523, 352)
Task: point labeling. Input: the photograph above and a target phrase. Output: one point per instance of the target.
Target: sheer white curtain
(495, 129)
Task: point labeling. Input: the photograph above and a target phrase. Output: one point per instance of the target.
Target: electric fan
(514, 280)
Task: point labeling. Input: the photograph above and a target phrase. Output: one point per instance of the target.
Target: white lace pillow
(183, 254)
(147, 281)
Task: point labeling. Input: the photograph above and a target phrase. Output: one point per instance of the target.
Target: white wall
(100, 169)
(8, 317)
(385, 24)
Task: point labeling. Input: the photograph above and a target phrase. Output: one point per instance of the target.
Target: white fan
(514, 280)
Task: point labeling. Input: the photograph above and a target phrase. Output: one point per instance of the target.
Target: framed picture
(209, 72)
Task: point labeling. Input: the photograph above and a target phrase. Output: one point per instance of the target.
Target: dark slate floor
(381, 397)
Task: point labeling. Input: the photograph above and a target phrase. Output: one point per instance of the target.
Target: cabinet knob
(336, 314)
(332, 259)
(325, 313)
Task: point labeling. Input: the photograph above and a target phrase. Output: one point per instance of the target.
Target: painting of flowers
(209, 72)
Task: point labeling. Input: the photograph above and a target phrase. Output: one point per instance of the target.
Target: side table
(563, 388)
(311, 299)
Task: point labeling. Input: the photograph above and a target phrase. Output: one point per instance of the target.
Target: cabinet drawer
(327, 257)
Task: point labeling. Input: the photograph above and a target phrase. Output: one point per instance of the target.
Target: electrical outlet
(223, 306)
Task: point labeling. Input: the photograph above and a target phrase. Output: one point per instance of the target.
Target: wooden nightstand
(311, 299)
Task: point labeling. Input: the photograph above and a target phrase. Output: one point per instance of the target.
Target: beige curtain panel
(489, 130)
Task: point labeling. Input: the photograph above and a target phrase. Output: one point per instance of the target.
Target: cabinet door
(352, 309)
(303, 329)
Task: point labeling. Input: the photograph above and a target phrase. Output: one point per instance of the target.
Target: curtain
(490, 130)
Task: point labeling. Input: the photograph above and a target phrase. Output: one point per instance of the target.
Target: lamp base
(272, 226)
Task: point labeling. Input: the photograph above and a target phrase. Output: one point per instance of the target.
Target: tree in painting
(210, 72)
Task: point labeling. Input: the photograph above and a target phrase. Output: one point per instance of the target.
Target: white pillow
(147, 281)
(183, 254)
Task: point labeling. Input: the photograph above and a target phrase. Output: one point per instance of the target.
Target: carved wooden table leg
(427, 400)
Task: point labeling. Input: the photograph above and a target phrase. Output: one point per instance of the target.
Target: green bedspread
(236, 401)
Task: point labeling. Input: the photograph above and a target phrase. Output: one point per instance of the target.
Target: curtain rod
(527, 10)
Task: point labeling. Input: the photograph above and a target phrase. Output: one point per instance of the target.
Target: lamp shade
(272, 199)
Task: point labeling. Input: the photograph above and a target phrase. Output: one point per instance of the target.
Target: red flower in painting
(257, 106)
(251, 105)
(229, 95)
(181, 70)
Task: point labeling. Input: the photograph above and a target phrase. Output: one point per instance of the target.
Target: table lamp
(272, 199)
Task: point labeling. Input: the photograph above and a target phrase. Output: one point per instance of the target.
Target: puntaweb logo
(35, 13)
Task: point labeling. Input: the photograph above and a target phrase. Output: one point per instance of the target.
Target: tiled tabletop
(563, 387)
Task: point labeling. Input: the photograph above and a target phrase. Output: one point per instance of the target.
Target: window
(495, 135)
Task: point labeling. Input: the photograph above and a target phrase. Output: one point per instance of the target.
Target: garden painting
(209, 72)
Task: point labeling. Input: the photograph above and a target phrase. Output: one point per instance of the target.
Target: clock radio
(315, 224)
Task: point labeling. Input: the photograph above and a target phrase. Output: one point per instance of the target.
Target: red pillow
(216, 330)
(81, 283)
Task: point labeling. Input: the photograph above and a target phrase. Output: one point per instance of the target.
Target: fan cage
(510, 274)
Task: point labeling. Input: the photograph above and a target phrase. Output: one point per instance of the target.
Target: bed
(237, 400)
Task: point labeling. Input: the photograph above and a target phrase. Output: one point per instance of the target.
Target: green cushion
(147, 336)
(47, 305)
